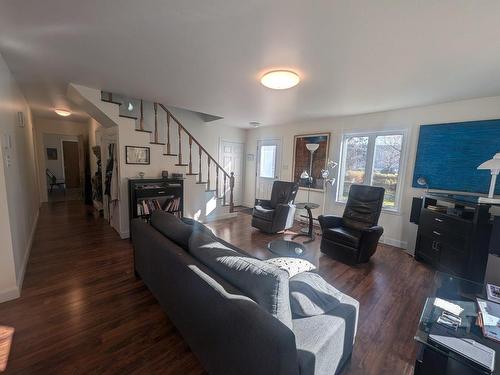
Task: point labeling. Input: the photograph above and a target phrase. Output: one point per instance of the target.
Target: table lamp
(494, 166)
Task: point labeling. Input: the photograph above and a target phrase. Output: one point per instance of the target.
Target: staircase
(209, 188)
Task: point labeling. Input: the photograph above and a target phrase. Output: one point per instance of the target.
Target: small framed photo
(51, 153)
(137, 155)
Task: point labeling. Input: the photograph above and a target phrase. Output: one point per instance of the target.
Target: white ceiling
(207, 55)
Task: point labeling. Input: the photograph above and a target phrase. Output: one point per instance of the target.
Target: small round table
(287, 248)
(309, 231)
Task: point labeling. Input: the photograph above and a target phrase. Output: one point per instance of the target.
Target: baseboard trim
(24, 264)
(124, 235)
(9, 294)
(393, 242)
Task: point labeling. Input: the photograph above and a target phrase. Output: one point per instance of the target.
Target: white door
(231, 158)
(268, 166)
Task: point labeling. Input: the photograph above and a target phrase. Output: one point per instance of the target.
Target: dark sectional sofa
(234, 310)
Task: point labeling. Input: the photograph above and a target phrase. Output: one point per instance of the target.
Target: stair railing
(228, 178)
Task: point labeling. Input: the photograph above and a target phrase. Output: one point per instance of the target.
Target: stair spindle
(141, 120)
(180, 144)
(155, 105)
(224, 191)
(168, 132)
(231, 190)
(199, 166)
(216, 182)
(208, 173)
(190, 155)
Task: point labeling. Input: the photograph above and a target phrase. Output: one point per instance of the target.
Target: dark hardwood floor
(83, 312)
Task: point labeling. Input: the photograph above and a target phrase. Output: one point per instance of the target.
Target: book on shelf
(146, 207)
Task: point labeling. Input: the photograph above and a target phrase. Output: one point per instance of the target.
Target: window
(372, 159)
(267, 161)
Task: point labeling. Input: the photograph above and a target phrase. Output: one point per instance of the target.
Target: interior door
(232, 161)
(71, 164)
(268, 166)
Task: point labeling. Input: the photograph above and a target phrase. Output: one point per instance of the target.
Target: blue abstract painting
(448, 155)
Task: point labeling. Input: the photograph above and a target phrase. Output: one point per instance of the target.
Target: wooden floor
(83, 312)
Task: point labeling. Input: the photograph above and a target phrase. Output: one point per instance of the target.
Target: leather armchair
(277, 213)
(354, 237)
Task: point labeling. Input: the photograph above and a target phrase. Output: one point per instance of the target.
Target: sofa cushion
(292, 266)
(172, 227)
(325, 342)
(311, 295)
(198, 226)
(266, 284)
(263, 213)
(346, 236)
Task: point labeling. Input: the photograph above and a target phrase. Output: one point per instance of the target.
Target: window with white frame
(373, 159)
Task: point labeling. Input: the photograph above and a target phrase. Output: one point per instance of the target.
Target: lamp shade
(312, 146)
(492, 164)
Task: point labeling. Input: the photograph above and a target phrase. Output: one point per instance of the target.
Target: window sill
(389, 211)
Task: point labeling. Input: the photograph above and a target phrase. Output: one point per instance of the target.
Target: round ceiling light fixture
(280, 79)
(62, 112)
(255, 124)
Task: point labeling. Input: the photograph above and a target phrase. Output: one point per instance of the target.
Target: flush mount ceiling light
(280, 79)
(255, 124)
(62, 112)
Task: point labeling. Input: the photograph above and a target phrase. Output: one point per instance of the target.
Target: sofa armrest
(282, 213)
(369, 241)
(329, 221)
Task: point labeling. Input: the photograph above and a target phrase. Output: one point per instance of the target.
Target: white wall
(62, 127)
(398, 230)
(19, 202)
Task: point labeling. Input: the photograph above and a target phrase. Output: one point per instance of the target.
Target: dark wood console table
(453, 234)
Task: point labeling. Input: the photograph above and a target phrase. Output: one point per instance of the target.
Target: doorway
(268, 166)
(231, 158)
(71, 163)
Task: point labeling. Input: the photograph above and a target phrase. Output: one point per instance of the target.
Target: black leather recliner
(276, 214)
(353, 238)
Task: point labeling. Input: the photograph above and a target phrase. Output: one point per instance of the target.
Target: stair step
(210, 190)
(143, 131)
(127, 116)
(191, 174)
(157, 143)
(111, 101)
(170, 154)
(202, 182)
(181, 165)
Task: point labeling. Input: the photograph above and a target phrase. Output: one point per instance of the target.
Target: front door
(268, 166)
(71, 164)
(232, 161)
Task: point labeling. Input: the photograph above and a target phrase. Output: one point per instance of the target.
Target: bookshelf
(149, 195)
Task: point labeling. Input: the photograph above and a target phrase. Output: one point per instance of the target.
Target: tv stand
(453, 234)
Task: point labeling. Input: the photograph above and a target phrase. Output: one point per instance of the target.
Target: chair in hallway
(53, 181)
(353, 238)
(276, 214)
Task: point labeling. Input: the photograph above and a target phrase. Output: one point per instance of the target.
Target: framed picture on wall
(137, 155)
(310, 155)
(51, 153)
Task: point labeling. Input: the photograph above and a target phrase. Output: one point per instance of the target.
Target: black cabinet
(453, 235)
(148, 195)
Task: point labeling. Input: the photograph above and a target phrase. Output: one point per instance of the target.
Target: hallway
(82, 311)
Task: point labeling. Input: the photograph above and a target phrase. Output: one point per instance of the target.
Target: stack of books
(145, 207)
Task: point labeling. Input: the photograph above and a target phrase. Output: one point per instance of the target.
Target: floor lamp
(312, 147)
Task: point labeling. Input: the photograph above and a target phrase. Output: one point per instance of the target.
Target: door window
(267, 161)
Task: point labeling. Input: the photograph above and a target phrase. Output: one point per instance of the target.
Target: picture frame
(302, 159)
(51, 153)
(137, 155)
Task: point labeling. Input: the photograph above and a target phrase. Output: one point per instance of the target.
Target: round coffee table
(287, 248)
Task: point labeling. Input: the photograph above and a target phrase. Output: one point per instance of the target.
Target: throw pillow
(292, 266)
(265, 283)
(311, 295)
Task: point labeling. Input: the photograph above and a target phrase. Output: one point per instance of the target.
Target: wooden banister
(155, 105)
(141, 121)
